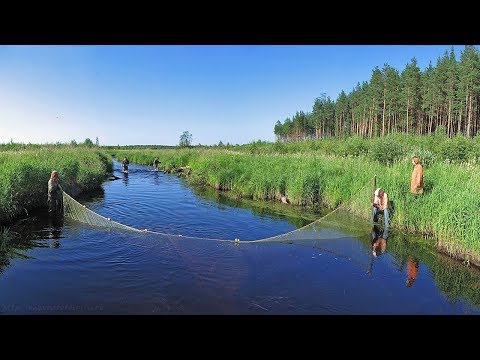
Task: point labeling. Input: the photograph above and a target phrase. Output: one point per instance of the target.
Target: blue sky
(145, 95)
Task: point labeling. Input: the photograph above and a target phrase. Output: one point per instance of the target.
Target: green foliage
(355, 146)
(457, 149)
(25, 174)
(427, 158)
(70, 169)
(88, 142)
(185, 139)
(386, 151)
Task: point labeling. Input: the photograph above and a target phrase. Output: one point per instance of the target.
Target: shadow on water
(37, 231)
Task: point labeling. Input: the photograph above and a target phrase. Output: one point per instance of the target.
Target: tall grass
(25, 173)
(448, 210)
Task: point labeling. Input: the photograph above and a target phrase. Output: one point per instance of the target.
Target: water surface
(64, 267)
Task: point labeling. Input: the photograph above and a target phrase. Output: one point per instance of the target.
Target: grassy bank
(448, 211)
(26, 171)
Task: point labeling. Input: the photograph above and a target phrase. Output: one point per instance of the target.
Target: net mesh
(337, 233)
(74, 210)
(333, 225)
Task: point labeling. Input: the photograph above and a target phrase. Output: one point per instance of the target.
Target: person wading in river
(125, 163)
(155, 164)
(55, 196)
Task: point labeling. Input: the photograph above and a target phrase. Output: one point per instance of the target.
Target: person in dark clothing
(125, 164)
(55, 195)
(155, 164)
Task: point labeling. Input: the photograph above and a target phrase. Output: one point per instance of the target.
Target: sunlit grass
(26, 171)
(448, 210)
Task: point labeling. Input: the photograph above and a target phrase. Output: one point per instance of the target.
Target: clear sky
(150, 95)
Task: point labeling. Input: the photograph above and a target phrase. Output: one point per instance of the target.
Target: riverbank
(25, 174)
(447, 212)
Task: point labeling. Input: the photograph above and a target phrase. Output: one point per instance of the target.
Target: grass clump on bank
(25, 174)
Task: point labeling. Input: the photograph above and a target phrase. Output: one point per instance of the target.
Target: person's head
(54, 175)
(379, 192)
(415, 160)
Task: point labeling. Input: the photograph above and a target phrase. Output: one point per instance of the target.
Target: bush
(355, 146)
(386, 151)
(456, 149)
(427, 158)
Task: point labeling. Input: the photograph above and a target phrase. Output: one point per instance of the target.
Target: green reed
(449, 210)
(26, 171)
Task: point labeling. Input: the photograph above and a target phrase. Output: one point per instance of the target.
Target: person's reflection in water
(379, 243)
(379, 240)
(156, 178)
(55, 226)
(125, 178)
(412, 271)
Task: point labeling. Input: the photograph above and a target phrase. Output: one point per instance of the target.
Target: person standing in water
(125, 164)
(55, 195)
(155, 164)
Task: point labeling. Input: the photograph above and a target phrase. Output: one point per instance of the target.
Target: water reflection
(54, 230)
(379, 240)
(324, 276)
(412, 271)
(156, 178)
(125, 178)
(276, 210)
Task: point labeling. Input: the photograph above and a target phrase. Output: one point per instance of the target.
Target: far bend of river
(69, 267)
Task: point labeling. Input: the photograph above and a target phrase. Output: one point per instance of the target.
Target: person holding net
(55, 195)
(380, 206)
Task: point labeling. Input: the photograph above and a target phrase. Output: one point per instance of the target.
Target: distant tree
(73, 143)
(220, 143)
(88, 142)
(96, 141)
(185, 139)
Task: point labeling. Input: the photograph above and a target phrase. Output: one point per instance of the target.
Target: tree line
(410, 101)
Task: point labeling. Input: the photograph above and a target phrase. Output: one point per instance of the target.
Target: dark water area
(337, 266)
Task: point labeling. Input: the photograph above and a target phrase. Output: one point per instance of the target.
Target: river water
(67, 267)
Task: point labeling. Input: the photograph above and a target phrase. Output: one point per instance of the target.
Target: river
(68, 267)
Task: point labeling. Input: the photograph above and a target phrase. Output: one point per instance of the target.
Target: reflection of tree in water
(455, 279)
(27, 234)
(298, 217)
(452, 277)
(11, 248)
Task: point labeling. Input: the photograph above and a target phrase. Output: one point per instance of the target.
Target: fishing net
(333, 225)
(74, 210)
(340, 232)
